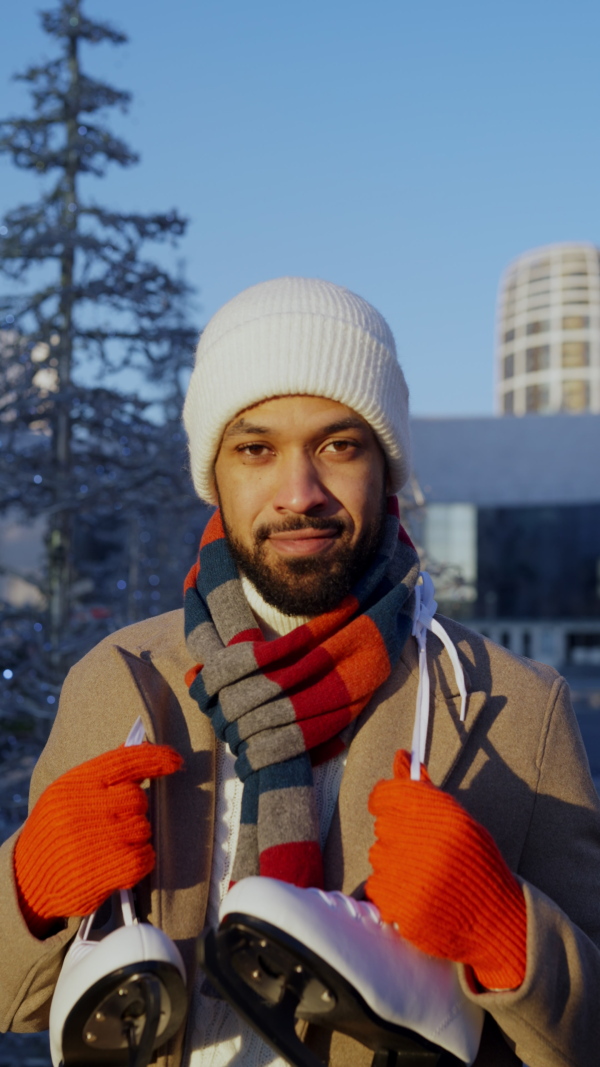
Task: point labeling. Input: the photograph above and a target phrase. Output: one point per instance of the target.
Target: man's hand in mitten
(440, 877)
(88, 835)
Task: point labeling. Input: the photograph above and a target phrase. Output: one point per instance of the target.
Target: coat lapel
(447, 735)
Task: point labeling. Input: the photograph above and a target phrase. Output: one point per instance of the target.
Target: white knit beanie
(295, 336)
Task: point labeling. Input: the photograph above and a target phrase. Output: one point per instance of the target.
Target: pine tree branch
(58, 24)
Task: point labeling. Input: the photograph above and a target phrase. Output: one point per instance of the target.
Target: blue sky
(408, 151)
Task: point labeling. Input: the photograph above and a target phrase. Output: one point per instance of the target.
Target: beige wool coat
(517, 764)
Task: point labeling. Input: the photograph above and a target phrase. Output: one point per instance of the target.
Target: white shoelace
(423, 620)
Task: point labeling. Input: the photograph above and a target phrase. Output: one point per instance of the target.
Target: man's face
(301, 485)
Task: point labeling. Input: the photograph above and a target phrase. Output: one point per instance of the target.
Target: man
(301, 663)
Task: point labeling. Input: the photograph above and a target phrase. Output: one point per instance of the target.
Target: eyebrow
(352, 422)
(242, 428)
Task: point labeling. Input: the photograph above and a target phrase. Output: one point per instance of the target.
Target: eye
(253, 448)
(340, 445)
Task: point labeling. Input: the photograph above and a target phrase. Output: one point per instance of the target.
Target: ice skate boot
(121, 991)
(281, 954)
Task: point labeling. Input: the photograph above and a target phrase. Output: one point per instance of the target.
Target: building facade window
(541, 326)
(583, 649)
(575, 296)
(575, 354)
(509, 335)
(450, 543)
(537, 399)
(539, 270)
(509, 365)
(537, 358)
(508, 403)
(553, 553)
(575, 395)
(575, 322)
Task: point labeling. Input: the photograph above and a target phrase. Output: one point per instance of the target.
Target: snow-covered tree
(95, 337)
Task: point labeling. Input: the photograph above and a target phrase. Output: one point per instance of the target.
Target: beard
(307, 585)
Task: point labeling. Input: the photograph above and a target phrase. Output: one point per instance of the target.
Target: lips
(305, 542)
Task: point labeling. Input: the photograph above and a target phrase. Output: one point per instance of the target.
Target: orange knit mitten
(88, 835)
(440, 876)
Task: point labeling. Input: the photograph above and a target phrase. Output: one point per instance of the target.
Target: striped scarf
(280, 705)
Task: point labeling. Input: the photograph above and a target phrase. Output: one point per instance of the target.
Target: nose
(300, 489)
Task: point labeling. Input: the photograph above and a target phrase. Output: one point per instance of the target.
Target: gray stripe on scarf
(203, 642)
(232, 609)
(268, 717)
(247, 694)
(286, 815)
(275, 746)
(246, 860)
(227, 666)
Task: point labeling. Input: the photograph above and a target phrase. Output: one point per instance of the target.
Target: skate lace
(423, 620)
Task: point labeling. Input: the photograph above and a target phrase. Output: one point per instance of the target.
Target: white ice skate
(282, 953)
(121, 992)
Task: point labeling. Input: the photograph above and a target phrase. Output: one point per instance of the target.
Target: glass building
(508, 524)
(548, 332)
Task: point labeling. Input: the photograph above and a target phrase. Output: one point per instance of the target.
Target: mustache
(263, 532)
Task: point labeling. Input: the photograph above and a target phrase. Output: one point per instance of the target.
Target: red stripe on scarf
(331, 723)
(284, 651)
(358, 672)
(331, 621)
(335, 674)
(298, 862)
(327, 695)
(191, 675)
(255, 634)
(190, 580)
(305, 671)
(213, 530)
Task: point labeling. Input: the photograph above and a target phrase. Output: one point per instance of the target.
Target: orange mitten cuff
(439, 875)
(88, 835)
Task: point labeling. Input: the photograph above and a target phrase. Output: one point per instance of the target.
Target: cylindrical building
(548, 332)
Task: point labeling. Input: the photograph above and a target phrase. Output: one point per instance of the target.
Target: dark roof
(536, 459)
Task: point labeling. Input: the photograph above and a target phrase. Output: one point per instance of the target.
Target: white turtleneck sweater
(217, 1037)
